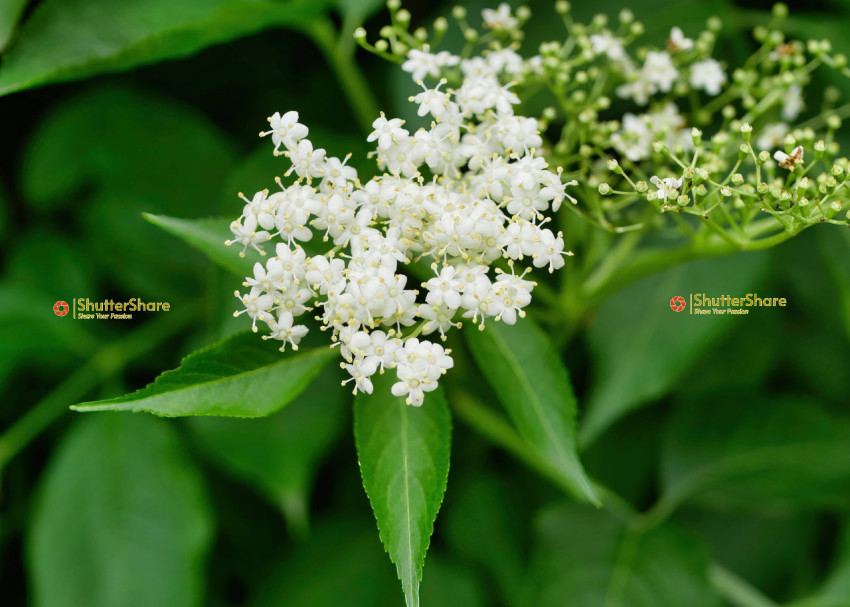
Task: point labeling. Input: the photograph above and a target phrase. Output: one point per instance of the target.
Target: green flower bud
(737, 179)
(703, 173)
(659, 146)
(613, 165)
(459, 12)
(470, 35)
(696, 135)
(762, 188)
(746, 131)
(714, 24)
(440, 24)
(683, 200)
(700, 190)
(393, 5)
(641, 187)
(403, 16)
(626, 16)
(604, 188)
(780, 10)
(832, 210)
(360, 34)
(763, 156)
(523, 13)
(837, 170)
(421, 34)
(833, 122)
(562, 7)
(603, 103)
(688, 173)
(785, 196)
(726, 191)
(381, 45)
(728, 112)
(637, 28)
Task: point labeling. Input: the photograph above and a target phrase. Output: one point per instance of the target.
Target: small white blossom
(500, 18)
(708, 75)
(678, 41)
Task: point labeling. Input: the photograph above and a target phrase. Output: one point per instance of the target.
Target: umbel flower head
(466, 195)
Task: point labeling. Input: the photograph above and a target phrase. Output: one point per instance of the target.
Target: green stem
(351, 79)
(734, 590)
(106, 362)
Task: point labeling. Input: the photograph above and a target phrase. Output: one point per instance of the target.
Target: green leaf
(10, 13)
(240, 376)
(340, 562)
(483, 528)
(638, 324)
(72, 39)
(121, 519)
(280, 453)
(746, 453)
(171, 161)
(532, 383)
(404, 460)
(208, 236)
(586, 557)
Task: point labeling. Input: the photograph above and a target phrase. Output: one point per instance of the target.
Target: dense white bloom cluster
(466, 195)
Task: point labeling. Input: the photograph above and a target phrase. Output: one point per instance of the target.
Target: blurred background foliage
(735, 431)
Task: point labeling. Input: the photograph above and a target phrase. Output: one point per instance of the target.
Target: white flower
(286, 130)
(708, 75)
(386, 131)
(606, 43)
(306, 162)
(772, 136)
(789, 161)
(678, 42)
(634, 140)
(423, 63)
(500, 18)
(658, 69)
(792, 102)
(667, 188)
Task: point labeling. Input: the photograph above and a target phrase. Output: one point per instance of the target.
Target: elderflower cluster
(466, 195)
(629, 111)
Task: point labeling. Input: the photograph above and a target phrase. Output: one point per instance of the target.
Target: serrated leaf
(240, 376)
(208, 236)
(280, 454)
(587, 557)
(404, 461)
(741, 452)
(533, 385)
(71, 39)
(121, 519)
(637, 324)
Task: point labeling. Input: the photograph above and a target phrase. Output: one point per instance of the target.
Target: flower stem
(348, 73)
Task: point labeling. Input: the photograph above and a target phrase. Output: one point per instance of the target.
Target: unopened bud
(604, 188)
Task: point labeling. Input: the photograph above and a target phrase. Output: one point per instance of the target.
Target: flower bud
(421, 34)
(780, 10)
(562, 7)
(833, 122)
(763, 156)
(762, 188)
(696, 135)
(700, 190)
(604, 188)
(659, 146)
(360, 34)
(381, 45)
(641, 187)
(626, 16)
(837, 170)
(746, 131)
(393, 5)
(703, 173)
(403, 16)
(714, 24)
(440, 25)
(832, 210)
(613, 165)
(459, 12)
(470, 35)
(728, 112)
(523, 13)
(726, 191)
(683, 200)
(737, 179)
(637, 28)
